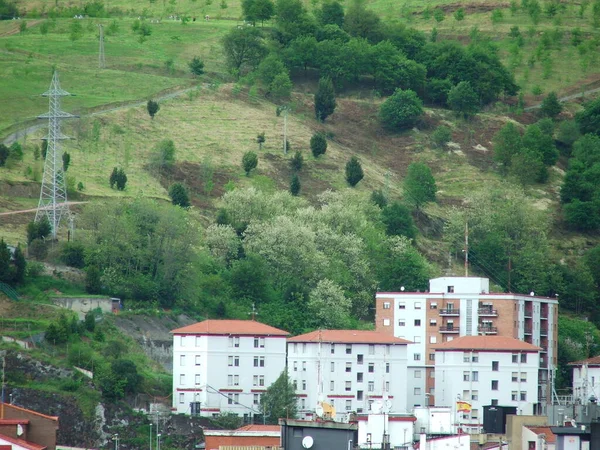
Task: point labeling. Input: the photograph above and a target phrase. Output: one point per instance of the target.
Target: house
(464, 306)
(225, 366)
(349, 370)
(572, 438)
(377, 429)
(252, 437)
(538, 438)
(317, 435)
(21, 428)
(473, 371)
(586, 380)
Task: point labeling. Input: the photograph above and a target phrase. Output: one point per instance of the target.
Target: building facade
(586, 380)
(225, 366)
(463, 306)
(349, 369)
(486, 370)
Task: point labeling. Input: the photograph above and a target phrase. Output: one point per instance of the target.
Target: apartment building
(463, 306)
(225, 366)
(349, 369)
(586, 380)
(486, 370)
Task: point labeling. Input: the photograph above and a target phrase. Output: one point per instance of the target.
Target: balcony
(449, 312)
(487, 329)
(527, 329)
(449, 329)
(487, 312)
(544, 332)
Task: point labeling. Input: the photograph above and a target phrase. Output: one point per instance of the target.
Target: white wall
(400, 431)
(462, 285)
(433, 420)
(582, 391)
(457, 442)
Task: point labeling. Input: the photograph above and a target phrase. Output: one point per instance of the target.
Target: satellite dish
(307, 442)
(532, 293)
(388, 405)
(319, 410)
(402, 288)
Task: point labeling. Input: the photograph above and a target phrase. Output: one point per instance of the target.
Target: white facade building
(349, 369)
(586, 380)
(486, 370)
(225, 365)
(397, 430)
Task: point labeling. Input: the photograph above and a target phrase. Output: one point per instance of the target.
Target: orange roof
(227, 327)
(260, 428)
(22, 443)
(30, 411)
(550, 436)
(349, 337)
(594, 361)
(14, 422)
(487, 343)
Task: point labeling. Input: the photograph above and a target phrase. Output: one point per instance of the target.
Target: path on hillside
(23, 211)
(17, 28)
(566, 98)
(15, 136)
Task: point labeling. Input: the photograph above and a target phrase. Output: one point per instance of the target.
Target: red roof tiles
(22, 443)
(349, 337)
(550, 436)
(594, 361)
(260, 428)
(487, 343)
(227, 327)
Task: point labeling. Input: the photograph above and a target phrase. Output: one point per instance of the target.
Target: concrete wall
(82, 305)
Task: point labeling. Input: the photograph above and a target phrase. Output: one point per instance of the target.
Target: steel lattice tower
(53, 197)
(101, 60)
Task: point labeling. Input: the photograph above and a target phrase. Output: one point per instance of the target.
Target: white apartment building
(586, 380)
(349, 369)
(486, 370)
(463, 306)
(225, 366)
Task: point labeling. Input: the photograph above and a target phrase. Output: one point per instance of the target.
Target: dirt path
(24, 211)
(566, 98)
(17, 30)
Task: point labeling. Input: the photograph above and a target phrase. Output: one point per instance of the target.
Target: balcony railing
(487, 329)
(449, 312)
(487, 312)
(446, 329)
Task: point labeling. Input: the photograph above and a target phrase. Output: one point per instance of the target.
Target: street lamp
(158, 435)
(150, 440)
(116, 439)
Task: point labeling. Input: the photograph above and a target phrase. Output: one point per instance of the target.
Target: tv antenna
(254, 312)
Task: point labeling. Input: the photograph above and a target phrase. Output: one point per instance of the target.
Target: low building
(454, 441)
(572, 438)
(486, 370)
(253, 437)
(433, 420)
(23, 428)
(303, 434)
(586, 380)
(538, 438)
(375, 430)
(348, 369)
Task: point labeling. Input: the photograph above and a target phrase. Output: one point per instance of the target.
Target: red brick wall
(213, 442)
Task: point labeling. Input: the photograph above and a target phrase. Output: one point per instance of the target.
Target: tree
(295, 185)
(297, 162)
(269, 68)
(507, 143)
(379, 198)
(254, 10)
(324, 99)
(441, 136)
(152, 108)
(7, 271)
(419, 185)
(528, 167)
(126, 370)
(4, 153)
(179, 195)
(362, 22)
(318, 144)
(113, 177)
(281, 86)
(249, 162)
(20, 265)
(550, 106)
(568, 133)
(260, 139)
(196, 66)
(328, 305)
(163, 155)
(244, 49)
(73, 254)
(459, 14)
(398, 221)
(354, 171)
(589, 119)
(66, 158)
(121, 180)
(89, 321)
(400, 111)
(279, 400)
(463, 99)
(93, 284)
(540, 143)
(331, 13)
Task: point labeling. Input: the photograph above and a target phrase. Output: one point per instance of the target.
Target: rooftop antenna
(101, 60)
(466, 249)
(254, 313)
(53, 196)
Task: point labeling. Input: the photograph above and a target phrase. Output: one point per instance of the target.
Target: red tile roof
(22, 443)
(227, 327)
(260, 428)
(349, 337)
(594, 361)
(29, 411)
(487, 343)
(550, 436)
(14, 422)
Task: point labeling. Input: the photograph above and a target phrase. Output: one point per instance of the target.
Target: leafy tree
(589, 119)
(292, 20)
(437, 91)
(400, 111)
(93, 284)
(269, 68)
(354, 171)
(113, 177)
(121, 179)
(362, 22)
(66, 158)
(90, 321)
(163, 155)
(279, 400)
(281, 87)
(4, 153)
(295, 185)
(507, 143)
(38, 249)
(254, 10)
(301, 52)
(126, 370)
(403, 266)
(249, 162)
(541, 143)
(459, 14)
(550, 106)
(419, 185)
(179, 195)
(379, 198)
(331, 13)
(297, 162)
(324, 99)
(152, 108)
(582, 216)
(39, 230)
(328, 305)
(398, 221)
(441, 136)
(226, 421)
(244, 49)
(391, 69)
(196, 66)
(528, 167)
(6, 268)
(463, 99)
(260, 139)
(73, 254)
(568, 133)
(318, 144)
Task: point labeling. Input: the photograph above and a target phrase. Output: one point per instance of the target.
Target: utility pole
(466, 249)
(101, 60)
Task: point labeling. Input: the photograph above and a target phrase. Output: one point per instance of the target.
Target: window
(432, 374)
(417, 374)
(387, 386)
(432, 322)
(359, 377)
(348, 405)
(386, 305)
(515, 358)
(401, 322)
(450, 289)
(255, 380)
(348, 367)
(348, 349)
(295, 366)
(494, 402)
(304, 347)
(417, 340)
(514, 377)
(333, 367)
(259, 361)
(401, 305)
(198, 341)
(332, 349)
(332, 386)
(387, 367)
(494, 385)
(417, 357)
(371, 349)
(236, 361)
(417, 391)
(474, 395)
(182, 341)
(198, 359)
(359, 359)
(386, 322)
(259, 342)
(236, 380)
(417, 322)
(371, 387)
(475, 376)
(433, 339)
(348, 386)
(523, 396)
(523, 377)
(466, 375)
(495, 366)
(474, 414)
(371, 367)
(523, 357)
(432, 357)
(256, 399)
(417, 305)
(229, 380)
(197, 379)
(475, 357)
(433, 306)
(182, 398)
(182, 378)
(303, 366)
(514, 396)
(359, 395)
(303, 385)
(466, 357)
(255, 342)
(182, 360)
(295, 384)
(230, 361)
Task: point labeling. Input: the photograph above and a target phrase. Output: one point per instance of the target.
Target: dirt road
(25, 211)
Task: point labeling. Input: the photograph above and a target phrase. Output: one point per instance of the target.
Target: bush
(379, 198)
(196, 66)
(249, 162)
(441, 136)
(318, 144)
(152, 108)
(354, 172)
(398, 221)
(297, 162)
(72, 254)
(179, 195)
(463, 99)
(550, 106)
(295, 185)
(402, 110)
(38, 249)
(93, 285)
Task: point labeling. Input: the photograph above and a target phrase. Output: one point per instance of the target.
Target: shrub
(196, 66)
(295, 185)
(354, 171)
(179, 195)
(297, 162)
(249, 162)
(318, 144)
(441, 136)
(402, 110)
